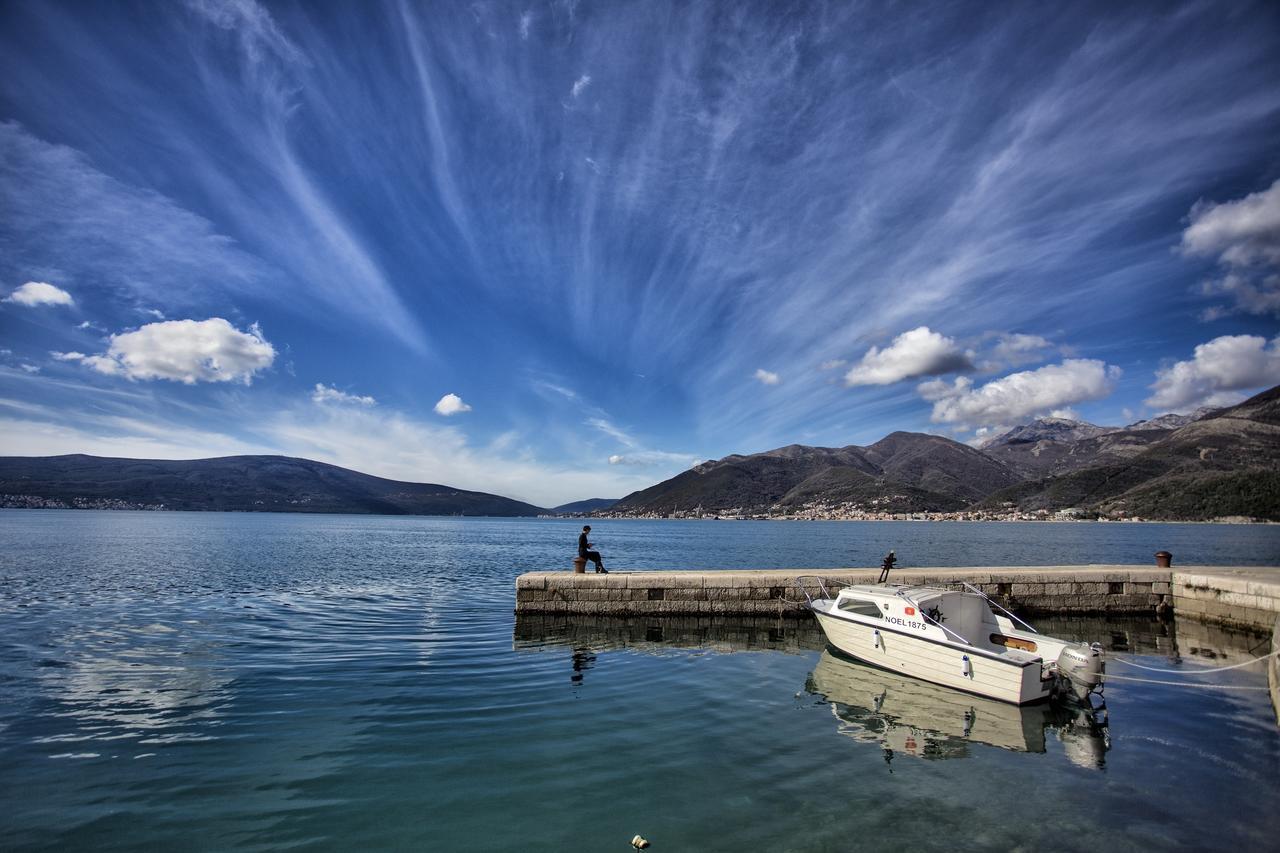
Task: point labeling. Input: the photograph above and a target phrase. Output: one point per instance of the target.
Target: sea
(223, 681)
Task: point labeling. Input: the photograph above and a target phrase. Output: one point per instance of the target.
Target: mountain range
(1180, 467)
(1206, 465)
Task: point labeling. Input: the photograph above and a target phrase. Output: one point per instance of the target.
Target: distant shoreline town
(817, 513)
(810, 514)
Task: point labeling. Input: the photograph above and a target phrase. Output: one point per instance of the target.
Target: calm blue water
(227, 681)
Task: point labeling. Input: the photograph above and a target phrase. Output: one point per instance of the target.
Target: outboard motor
(1080, 670)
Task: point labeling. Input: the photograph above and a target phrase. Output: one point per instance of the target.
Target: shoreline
(1230, 521)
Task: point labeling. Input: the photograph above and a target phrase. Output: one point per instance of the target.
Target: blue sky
(566, 250)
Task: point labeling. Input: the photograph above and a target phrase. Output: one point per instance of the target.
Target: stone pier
(1247, 598)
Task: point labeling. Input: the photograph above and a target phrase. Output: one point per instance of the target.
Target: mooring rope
(1109, 677)
(1249, 662)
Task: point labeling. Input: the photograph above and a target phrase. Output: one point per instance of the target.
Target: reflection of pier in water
(1173, 639)
(713, 633)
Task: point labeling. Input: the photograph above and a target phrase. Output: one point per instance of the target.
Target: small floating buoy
(639, 842)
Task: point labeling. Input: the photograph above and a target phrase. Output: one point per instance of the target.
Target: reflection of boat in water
(906, 716)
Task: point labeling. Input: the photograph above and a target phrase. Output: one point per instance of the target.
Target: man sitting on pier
(584, 550)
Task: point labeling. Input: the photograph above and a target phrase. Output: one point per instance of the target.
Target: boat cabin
(934, 613)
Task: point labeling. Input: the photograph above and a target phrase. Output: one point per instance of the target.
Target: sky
(566, 250)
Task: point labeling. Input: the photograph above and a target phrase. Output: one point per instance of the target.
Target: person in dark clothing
(584, 550)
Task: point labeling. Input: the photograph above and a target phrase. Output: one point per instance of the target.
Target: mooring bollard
(1163, 559)
(580, 565)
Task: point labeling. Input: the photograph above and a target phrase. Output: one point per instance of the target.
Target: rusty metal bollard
(580, 565)
(1163, 559)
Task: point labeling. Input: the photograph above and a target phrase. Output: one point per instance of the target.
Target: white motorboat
(956, 638)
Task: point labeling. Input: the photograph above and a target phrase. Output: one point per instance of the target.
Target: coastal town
(819, 511)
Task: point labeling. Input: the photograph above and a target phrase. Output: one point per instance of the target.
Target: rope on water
(1110, 677)
(1249, 662)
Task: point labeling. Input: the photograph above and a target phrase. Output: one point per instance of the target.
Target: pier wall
(1247, 598)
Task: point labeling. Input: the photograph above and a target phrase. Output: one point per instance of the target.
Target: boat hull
(937, 662)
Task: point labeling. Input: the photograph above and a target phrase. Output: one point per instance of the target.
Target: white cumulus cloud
(1216, 373)
(919, 352)
(767, 377)
(325, 394)
(1020, 395)
(1245, 236)
(1250, 294)
(187, 351)
(1241, 232)
(36, 293)
(451, 404)
(580, 84)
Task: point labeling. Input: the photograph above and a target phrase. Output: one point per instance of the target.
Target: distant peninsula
(232, 484)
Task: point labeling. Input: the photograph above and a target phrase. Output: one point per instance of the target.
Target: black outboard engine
(1081, 670)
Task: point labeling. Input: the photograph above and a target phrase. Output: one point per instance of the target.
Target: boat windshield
(860, 606)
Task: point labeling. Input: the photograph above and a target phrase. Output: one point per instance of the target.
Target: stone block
(686, 594)
(1264, 589)
(676, 580)
(1161, 587)
(1238, 599)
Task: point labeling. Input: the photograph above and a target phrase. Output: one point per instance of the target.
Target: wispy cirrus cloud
(59, 208)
